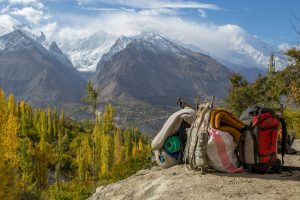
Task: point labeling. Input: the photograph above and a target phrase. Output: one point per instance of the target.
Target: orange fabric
(223, 120)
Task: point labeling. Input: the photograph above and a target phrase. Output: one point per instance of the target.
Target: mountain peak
(16, 40)
(145, 40)
(149, 35)
(41, 38)
(9, 24)
(54, 48)
(33, 73)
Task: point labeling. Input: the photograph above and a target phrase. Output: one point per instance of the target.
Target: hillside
(175, 183)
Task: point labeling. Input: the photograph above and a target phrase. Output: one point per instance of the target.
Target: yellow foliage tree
(84, 159)
(140, 148)
(118, 150)
(9, 160)
(134, 151)
(105, 154)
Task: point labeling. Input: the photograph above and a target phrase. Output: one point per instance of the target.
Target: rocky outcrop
(175, 183)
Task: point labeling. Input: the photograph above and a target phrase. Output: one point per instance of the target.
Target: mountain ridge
(151, 66)
(33, 73)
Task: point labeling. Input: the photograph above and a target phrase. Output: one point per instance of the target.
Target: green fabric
(172, 144)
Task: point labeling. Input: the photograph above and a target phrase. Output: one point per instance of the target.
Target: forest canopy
(45, 155)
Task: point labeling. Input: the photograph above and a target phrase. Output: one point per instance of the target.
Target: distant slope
(35, 74)
(153, 69)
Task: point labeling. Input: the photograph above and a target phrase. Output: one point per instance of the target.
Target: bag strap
(283, 138)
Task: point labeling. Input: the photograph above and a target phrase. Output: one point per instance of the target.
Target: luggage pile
(209, 137)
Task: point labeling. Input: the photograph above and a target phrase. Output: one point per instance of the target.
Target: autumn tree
(118, 147)
(9, 160)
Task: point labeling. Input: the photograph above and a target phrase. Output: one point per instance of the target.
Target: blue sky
(269, 20)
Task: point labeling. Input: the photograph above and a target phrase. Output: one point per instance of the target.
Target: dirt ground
(175, 183)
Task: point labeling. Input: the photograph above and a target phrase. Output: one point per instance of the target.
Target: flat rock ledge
(175, 183)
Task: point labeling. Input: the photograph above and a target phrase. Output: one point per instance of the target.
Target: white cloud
(50, 29)
(202, 13)
(102, 9)
(160, 11)
(219, 40)
(5, 10)
(155, 4)
(30, 14)
(72, 33)
(23, 1)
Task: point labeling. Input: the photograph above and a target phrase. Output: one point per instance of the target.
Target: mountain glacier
(85, 53)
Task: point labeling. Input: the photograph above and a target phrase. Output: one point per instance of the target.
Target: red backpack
(257, 148)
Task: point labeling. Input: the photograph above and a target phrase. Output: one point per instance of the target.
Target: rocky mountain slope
(150, 68)
(35, 74)
(175, 183)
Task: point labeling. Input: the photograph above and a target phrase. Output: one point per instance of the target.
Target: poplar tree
(9, 160)
(91, 99)
(97, 137)
(84, 159)
(140, 147)
(42, 153)
(105, 154)
(59, 150)
(134, 150)
(127, 146)
(25, 153)
(49, 122)
(118, 147)
(11, 103)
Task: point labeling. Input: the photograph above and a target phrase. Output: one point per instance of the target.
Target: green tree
(271, 67)
(91, 96)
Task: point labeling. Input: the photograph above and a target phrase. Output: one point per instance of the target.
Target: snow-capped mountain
(9, 24)
(151, 68)
(244, 51)
(85, 53)
(35, 74)
(17, 40)
(248, 51)
(151, 41)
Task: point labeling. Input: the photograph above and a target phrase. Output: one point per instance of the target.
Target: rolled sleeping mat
(171, 126)
(165, 160)
(172, 144)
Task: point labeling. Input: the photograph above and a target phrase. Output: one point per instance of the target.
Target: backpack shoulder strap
(283, 138)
